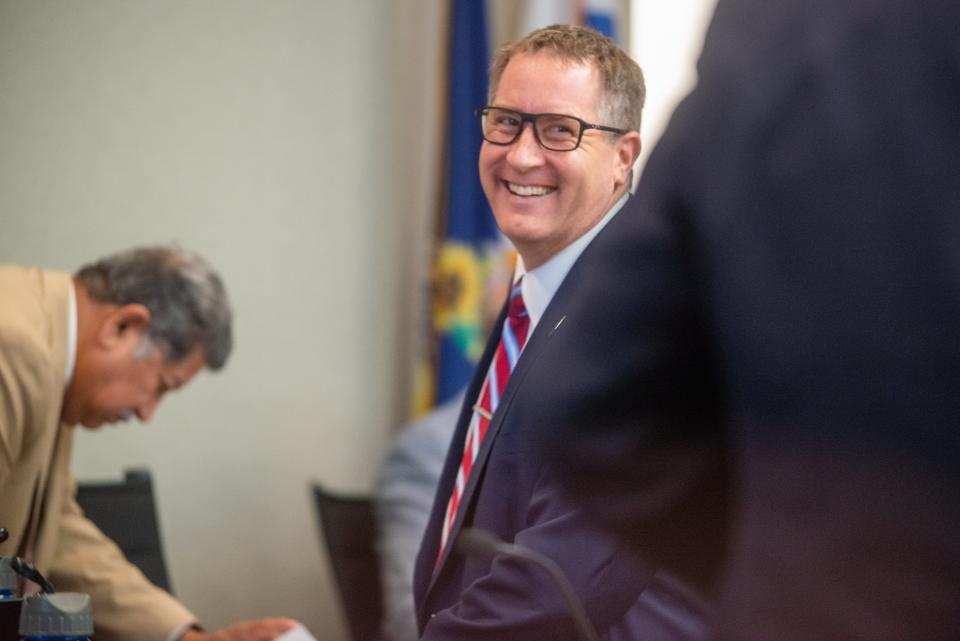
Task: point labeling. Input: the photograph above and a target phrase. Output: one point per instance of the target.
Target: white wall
(666, 39)
(269, 137)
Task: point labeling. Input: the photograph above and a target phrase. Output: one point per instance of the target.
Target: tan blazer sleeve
(127, 607)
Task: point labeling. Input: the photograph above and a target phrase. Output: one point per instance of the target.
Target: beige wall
(290, 142)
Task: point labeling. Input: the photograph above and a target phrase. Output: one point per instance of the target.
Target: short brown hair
(623, 89)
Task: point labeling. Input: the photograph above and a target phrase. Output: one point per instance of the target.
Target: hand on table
(260, 630)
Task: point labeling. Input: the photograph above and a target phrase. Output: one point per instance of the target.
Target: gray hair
(187, 300)
(624, 92)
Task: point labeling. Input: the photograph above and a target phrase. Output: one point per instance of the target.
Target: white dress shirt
(539, 285)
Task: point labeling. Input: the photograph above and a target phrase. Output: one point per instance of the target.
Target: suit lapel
(427, 564)
(536, 344)
(555, 319)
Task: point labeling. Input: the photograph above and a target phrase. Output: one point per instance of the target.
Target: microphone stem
(580, 618)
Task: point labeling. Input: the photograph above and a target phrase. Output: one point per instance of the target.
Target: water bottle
(8, 580)
(61, 616)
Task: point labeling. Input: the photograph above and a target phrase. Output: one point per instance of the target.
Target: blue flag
(600, 15)
(471, 243)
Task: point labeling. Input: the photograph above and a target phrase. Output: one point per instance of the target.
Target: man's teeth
(529, 190)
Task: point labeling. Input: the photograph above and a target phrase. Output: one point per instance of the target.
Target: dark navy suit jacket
(512, 494)
(777, 312)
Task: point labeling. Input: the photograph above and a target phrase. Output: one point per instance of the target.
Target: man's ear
(628, 150)
(126, 324)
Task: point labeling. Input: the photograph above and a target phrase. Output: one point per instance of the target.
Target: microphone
(473, 541)
(28, 571)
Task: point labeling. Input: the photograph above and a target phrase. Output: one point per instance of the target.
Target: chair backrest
(126, 513)
(10, 618)
(349, 528)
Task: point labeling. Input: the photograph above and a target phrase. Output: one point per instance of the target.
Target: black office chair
(349, 529)
(126, 513)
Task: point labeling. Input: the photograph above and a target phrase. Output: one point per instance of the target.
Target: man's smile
(528, 190)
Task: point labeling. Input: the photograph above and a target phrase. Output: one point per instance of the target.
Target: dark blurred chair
(10, 618)
(126, 512)
(349, 529)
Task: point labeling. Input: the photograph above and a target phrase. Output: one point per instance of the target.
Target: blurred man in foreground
(784, 324)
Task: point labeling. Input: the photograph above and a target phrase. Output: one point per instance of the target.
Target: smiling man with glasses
(561, 137)
(549, 172)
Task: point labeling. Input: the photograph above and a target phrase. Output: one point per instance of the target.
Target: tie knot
(517, 309)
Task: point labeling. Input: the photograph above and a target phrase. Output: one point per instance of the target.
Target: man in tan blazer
(100, 347)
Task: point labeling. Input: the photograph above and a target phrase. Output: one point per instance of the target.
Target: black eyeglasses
(555, 132)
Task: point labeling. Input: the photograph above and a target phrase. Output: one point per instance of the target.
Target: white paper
(298, 633)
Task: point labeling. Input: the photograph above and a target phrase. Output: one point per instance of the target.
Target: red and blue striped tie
(512, 339)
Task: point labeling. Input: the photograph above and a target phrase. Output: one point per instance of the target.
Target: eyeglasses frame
(531, 118)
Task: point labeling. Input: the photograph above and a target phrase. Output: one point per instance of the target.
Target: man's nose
(145, 410)
(525, 151)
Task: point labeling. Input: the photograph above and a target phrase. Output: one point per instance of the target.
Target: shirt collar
(71, 333)
(539, 285)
